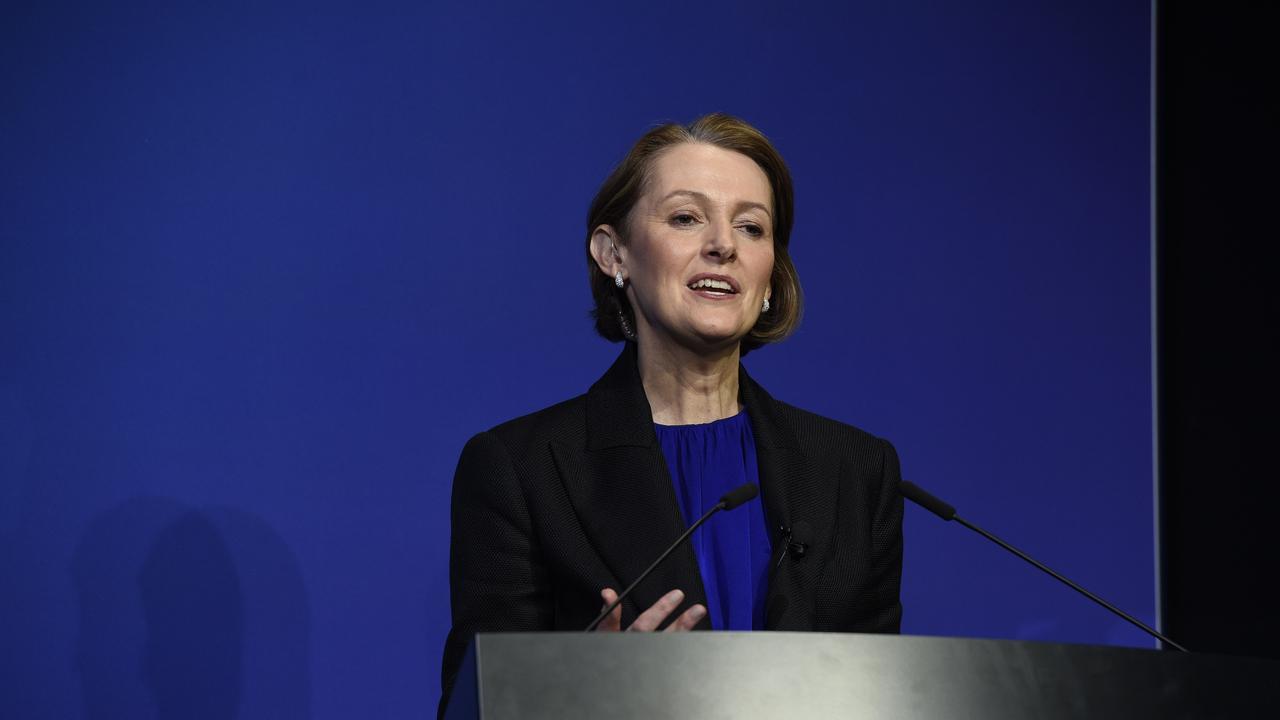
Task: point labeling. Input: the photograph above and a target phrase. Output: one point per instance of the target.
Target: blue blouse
(733, 548)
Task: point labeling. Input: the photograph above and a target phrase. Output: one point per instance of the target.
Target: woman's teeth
(714, 285)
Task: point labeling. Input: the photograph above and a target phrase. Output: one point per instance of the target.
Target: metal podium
(704, 675)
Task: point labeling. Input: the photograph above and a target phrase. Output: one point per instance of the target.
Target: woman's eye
(684, 219)
(753, 230)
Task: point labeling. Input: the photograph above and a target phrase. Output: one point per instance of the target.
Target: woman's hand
(650, 619)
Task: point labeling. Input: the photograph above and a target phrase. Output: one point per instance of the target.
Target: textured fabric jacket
(550, 508)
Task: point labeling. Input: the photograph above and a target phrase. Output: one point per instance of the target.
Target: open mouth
(712, 287)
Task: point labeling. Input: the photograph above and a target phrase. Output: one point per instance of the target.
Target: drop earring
(765, 307)
(627, 331)
(617, 280)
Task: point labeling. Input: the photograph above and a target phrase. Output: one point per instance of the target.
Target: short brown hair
(624, 186)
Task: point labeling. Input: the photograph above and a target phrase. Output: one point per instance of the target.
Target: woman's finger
(613, 621)
(688, 619)
(650, 619)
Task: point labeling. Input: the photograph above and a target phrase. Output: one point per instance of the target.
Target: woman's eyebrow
(691, 193)
(702, 197)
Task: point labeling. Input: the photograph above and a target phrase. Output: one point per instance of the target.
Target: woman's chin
(704, 335)
(720, 337)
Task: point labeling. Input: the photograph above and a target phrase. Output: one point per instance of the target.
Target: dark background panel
(1218, 322)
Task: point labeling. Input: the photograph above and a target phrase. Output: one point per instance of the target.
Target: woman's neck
(685, 387)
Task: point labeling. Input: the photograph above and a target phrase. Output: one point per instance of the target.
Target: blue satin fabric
(732, 548)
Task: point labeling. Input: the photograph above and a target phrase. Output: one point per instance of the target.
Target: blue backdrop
(264, 267)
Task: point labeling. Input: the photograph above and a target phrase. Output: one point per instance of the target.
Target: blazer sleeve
(886, 548)
(497, 582)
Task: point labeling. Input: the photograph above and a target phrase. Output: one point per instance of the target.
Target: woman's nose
(721, 244)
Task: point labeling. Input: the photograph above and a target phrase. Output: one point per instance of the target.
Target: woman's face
(699, 251)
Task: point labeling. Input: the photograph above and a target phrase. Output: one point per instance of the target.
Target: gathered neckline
(731, 418)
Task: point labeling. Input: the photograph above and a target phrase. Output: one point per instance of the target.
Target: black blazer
(550, 508)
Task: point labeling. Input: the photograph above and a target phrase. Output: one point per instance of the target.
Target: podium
(774, 675)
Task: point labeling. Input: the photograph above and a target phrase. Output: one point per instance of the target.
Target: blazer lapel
(796, 498)
(621, 490)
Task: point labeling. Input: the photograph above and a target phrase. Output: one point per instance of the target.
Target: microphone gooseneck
(728, 501)
(917, 495)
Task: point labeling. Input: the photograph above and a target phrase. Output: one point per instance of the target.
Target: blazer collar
(618, 412)
(621, 491)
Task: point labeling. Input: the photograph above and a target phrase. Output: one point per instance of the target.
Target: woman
(553, 512)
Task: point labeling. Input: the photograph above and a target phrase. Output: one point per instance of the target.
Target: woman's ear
(604, 248)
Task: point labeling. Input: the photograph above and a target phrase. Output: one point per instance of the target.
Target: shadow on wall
(193, 614)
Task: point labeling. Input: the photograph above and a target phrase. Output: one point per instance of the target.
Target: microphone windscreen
(739, 495)
(912, 492)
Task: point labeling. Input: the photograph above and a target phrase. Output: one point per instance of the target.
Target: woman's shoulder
(563, 422)
(809, 430)
(813, 429)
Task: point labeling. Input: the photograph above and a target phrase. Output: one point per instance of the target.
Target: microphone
(915, 494)
(794, 542)
(728, 501)
(798, 539)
